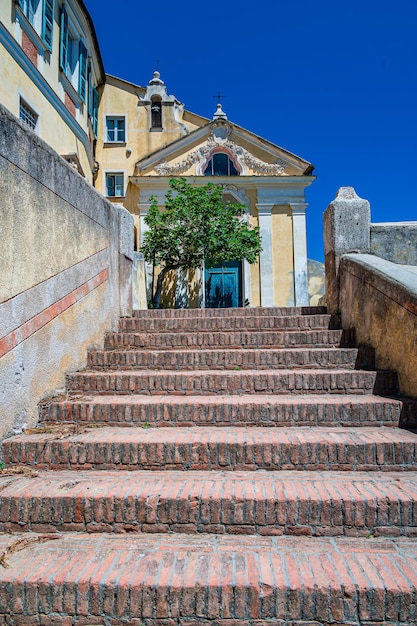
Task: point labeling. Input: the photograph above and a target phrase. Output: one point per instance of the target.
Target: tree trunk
(159, 284)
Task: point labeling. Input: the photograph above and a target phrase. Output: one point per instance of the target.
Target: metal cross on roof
(219, 96)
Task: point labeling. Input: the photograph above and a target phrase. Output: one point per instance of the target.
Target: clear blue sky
(334, 82)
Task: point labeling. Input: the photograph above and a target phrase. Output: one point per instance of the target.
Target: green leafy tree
(196, 226)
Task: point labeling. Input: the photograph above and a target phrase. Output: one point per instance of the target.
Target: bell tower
(164, 111)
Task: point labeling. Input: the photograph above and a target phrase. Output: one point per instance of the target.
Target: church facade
(147, 137)
(129, 141)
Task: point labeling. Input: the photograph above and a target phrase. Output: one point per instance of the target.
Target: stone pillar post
(346, 229)
(143, 228)
(139, 282)
(265, 258)
(125, 260)
(300, 253)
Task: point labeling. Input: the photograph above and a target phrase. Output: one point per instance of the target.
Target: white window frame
(36, 20)
(73, 54)
(115, 173)
(75, 35)
(119, 117)
(33, 25)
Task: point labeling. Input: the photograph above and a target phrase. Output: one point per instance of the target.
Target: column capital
(264, 208)
(298, 208)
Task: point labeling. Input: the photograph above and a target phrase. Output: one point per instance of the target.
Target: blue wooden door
(223, 285)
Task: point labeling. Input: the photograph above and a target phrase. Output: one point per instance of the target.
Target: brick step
(227, 312)
(198, 382)
(246, 410)
(208, 448)
(346, 358)
(183, 580)
(207, 324)
(244, 503)
(231, 339)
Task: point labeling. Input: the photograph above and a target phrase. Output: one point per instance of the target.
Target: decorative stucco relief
(216, 140)
(164, 169)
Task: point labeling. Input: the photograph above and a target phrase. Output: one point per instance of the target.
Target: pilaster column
(265, 258)
(246, 282)
(143, 213)
(181, 289)
(300, 253)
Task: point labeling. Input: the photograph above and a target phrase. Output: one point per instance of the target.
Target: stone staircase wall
(371, 281)
(388, 321)
(65, 274)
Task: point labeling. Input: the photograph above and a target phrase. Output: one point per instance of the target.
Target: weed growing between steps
(13, 471)
(62, 430)
(21, 544)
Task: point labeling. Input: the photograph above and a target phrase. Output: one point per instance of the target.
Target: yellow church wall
(168, 295)
(282, 256)
(116, 157)
(120, 98)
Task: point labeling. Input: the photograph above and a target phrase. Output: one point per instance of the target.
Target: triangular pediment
(252, 155)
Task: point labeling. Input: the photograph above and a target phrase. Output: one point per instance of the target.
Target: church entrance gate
(223, 285)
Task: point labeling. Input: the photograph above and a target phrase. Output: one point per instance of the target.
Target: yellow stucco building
(51, 71)
(146, 137)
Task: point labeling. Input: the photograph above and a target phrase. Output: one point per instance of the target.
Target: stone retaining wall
(65, 279)
(379, 299)
(395, 242)
(371, 279)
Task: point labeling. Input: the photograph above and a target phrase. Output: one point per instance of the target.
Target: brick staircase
(167, 489)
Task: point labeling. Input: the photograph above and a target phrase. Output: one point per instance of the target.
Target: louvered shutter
(48, 22)
(82, 74)
(63, 50)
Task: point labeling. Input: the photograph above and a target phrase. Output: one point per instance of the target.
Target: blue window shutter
(95, 111)
(63, 50)
(90, 91)
(48, 22)
(82, 74)
(110, 185)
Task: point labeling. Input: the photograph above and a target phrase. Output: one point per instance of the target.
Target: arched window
(156, 113)
(221, 164)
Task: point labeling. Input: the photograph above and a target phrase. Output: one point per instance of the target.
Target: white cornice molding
(275, 184)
